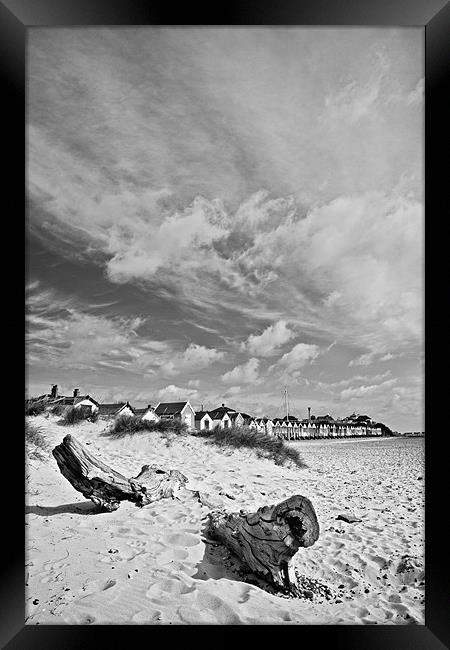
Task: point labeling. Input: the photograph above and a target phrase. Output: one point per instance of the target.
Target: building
(225, 417)
(116, 410)
(76, 400)
(237, 419)
(181, 411)
(147, 414)
(203, 421)
(260, 426)
(221, 419)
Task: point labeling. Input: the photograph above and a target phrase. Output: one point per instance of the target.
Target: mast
(286, 401)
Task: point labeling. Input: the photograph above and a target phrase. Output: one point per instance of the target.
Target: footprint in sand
(171, 554)
(182, 539)
(88, 620)
(223, 613)
(136, 543)
(147, 617)
(169, 586)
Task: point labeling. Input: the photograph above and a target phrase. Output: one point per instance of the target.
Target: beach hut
(181, 411)
(115, 410)
(260, 426)
(86, 402)
(147, 414)
(203, 421)
(276, 426)
(223, 417)
(221, 420)
(236, 418)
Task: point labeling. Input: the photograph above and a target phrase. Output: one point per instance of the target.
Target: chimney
(76, 392)
(54, 392)
(223, 405)
(201, 408)
(309, 413)
(150, 406)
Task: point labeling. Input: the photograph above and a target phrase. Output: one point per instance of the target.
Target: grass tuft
(36, 445)
(74, 415)
(126, 425)
(58, 409)
(264, 445)
(34, 408)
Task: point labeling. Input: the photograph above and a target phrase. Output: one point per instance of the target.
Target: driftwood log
(265, 541)
(106, 487)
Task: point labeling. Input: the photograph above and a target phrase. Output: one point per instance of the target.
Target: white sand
(153, 564)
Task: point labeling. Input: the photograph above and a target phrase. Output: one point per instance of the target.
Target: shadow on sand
(83, 508)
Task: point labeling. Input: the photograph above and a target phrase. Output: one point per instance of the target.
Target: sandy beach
(155, 565)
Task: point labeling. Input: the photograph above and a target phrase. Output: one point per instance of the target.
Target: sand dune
(156, 564)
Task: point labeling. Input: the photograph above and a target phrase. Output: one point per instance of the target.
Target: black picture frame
(16, 16)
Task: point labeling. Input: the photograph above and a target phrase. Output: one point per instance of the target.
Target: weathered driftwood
(265, 541)
(106, 487)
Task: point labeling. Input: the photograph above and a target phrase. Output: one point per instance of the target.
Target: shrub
(36, 445)
(34, 408)
(128, 425)
(93, 417)
(264, 445)
(58, 409)
(123, 425)
(74, 415)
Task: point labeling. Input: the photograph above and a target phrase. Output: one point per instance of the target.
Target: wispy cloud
(355, 99)
(364, 391)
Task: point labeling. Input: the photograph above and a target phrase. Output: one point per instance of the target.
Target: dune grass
(36, 446)
(264, 445)
(34, 408)
(126, 425)
(58, 409)
(73, 415)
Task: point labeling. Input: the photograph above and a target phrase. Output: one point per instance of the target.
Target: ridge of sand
(155, 564)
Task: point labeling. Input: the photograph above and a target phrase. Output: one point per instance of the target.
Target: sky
(215, 213)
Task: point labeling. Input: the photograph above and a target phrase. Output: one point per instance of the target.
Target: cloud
(300, 355)
(349, 267)
(246, 373)
(363, 359)
(199, 356)
(335, 387)
(416, 96)
(63, 336)
(365, 391)
(355, 99)
(177, 393)
(271, 338)
(194, 357)
(60, 333)
(232, 391)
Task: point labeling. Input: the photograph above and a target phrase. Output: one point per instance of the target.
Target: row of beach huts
(288, 427)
